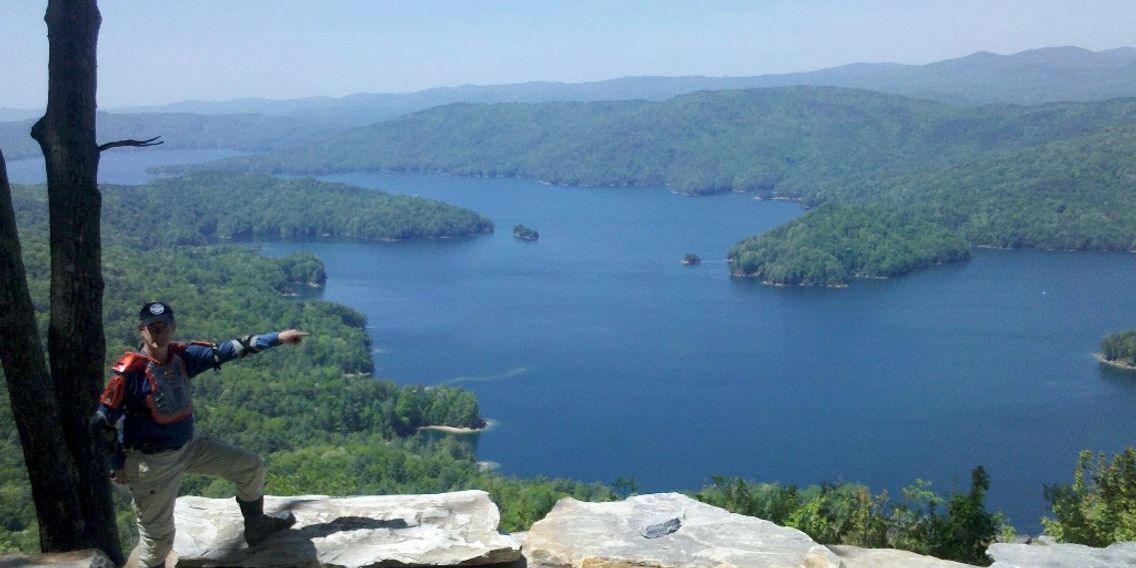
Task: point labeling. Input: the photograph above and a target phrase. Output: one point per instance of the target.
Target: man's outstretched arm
(208, 356)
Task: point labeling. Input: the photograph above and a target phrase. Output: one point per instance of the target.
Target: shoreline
(1117, 364)
(489, 423)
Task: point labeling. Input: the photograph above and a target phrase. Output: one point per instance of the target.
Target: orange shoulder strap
(130, 362)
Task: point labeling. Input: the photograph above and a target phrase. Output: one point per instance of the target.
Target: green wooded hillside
(199, 209)
(325, 425)
(1074, 194)
(807, 142)
(1077, 194)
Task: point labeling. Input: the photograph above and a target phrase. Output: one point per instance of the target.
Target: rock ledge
(662, 531)
(447, 529)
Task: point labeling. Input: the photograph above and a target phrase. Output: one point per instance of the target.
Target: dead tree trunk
(52, 473)
(76, 342)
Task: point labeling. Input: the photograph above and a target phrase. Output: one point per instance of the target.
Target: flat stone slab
(77, 559)
(446, 529)
(1119, 555)
(856, 557)
(666, 530)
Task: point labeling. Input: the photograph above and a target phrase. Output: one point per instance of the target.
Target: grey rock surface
(856, 557)
(1119, 555)
(77, 559)
(608, 535)
(445, 529)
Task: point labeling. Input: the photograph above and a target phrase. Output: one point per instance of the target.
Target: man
(150, 392)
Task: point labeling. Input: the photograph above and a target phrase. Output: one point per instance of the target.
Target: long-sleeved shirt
(155, 401)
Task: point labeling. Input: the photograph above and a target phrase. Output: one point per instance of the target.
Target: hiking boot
(259, 526)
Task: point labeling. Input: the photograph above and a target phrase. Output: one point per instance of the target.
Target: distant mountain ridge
(258, 124)
(14, 114)
(182, 131)
(1035, 76)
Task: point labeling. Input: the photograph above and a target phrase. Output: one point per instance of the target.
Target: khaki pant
(155, 479)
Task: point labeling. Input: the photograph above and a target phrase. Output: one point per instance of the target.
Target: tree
(75, 339)
(54, 477)
(1100, 507)
(968, 529)
(69, 478)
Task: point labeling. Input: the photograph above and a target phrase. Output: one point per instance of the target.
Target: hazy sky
(160, 51)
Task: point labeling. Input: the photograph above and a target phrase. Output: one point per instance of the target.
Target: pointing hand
(293, 336)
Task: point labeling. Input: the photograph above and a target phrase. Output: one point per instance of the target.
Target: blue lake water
(600, 356)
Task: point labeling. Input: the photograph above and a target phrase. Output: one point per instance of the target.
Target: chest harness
(170, 396)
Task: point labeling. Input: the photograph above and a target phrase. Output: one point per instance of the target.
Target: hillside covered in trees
(1077, 194)
(325, 424)
(800, 142)
(200, 209)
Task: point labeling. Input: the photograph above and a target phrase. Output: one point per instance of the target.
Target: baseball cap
(155, 311)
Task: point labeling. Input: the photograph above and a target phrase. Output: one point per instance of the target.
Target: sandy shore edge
(1117, 364)
(455, 430)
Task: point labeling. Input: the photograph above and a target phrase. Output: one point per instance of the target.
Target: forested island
(525, 233)
(899, 184)
(1119, 349)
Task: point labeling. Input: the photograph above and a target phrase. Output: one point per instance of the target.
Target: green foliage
(850, 514)
(1068, 195)
(967, 530)
(805, 142)
(837, 242)
(377, 466)
(305, 268)
(1120, 347)
(1099, 508)
(18, 528)
(202, 208)
(524, 502)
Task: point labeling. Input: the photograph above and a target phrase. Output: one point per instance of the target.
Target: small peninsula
(472, 427)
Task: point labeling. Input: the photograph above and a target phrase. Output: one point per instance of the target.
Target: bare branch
(135, 143)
